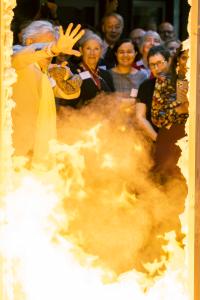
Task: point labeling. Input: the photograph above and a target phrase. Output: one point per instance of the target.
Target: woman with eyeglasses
(162, 111)
(157, 105)
(159, 62)
(170, 116)
(126, 78)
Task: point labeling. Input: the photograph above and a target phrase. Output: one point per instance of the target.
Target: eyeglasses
(157, 65)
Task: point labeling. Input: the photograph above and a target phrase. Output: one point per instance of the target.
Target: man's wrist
(54, 49)
(51, 50)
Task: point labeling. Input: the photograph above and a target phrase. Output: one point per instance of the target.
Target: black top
(89, 89)
(145, 95)
(109, 59)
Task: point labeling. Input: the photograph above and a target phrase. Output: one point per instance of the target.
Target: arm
(67, 85)
(143, 122)
(29, 55)
(64, 44)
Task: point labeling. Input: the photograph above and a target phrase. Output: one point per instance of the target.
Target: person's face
(166, 32)
(136, 35)
(158, 64)
(112, 29)
(172, 47)
(91, 53)
(182, 62)
(150, 41)
(47, 37)
(125, 54)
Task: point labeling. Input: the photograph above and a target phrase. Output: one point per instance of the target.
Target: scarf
(163, 113)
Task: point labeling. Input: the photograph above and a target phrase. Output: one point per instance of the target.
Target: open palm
(67, 40)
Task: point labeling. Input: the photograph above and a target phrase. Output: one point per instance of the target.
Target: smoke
(115, 210)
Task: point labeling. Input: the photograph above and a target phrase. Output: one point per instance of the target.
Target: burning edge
(7, 75)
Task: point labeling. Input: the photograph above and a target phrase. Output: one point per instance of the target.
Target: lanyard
(94, 75)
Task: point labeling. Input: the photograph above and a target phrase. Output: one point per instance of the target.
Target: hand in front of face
(67, 40)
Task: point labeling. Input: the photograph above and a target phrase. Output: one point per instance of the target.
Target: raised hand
(67, 40)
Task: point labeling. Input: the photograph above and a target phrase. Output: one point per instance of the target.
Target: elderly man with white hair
(34, 116)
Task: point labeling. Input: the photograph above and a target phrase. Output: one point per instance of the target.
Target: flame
(45, 265)
(91, 224)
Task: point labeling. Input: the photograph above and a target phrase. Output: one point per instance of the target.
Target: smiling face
(125, 54)
(91, 52)
(149, 42)
(112, 29)
(158, 64)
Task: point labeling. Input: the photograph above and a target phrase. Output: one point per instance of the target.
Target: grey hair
(35, 28)
(147, 34)
(90, 36)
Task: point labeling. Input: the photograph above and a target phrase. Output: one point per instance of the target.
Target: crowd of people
(70, 68)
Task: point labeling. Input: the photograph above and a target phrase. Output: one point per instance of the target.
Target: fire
(45, 265)
(90, 224)
(83, 226)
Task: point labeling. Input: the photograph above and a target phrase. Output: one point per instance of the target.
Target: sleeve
(31, 54)
(68, 88)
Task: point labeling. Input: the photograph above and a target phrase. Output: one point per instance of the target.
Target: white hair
(90, 36)
(36, 28)
(149, 33)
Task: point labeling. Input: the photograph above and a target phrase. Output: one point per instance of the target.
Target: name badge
(134, 93)
(85, 75)
(103, 67)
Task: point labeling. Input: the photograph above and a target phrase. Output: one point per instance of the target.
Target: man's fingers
(61, 33)
(74, 52)
(69, 28)
(75, 30)
(78, 36)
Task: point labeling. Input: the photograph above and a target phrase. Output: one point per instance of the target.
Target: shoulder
(143, 74)
(148, 83)
(105, 73)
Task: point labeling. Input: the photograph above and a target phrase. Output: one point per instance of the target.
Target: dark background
(146, 14)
